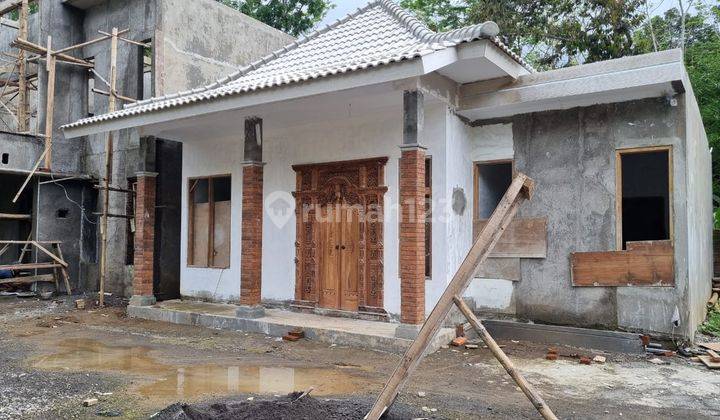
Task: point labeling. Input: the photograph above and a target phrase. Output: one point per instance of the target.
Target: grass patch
(712, 325)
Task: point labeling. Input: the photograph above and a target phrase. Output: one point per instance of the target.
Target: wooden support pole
(87, 43)
(117, 95)
(50, 105)
(8, 216)
(526, 387)
(22, 114)
(520, 189)
(42, 52)
(108, 168)
(30, 175)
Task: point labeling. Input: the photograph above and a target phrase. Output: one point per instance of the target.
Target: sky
(345, 7)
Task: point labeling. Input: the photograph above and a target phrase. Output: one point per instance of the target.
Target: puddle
(172, 382)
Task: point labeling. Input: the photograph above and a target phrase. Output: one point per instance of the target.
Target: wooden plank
(63, 271)
(22, 111)
(200, 223)
(42, 52)
(109, 148)
(8, 6)
(707, 361)
(44, 278)
(221, 236)
(525, 386)
(8, 216)
(49, 254)
(50, 105)
(500, 269)
(524, 238)
(30, 175)
(32, 266)
(646, 264)
(520, 189)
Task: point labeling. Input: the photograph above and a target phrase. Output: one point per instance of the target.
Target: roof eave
(382, 74)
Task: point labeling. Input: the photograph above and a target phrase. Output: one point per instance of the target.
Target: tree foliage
(294, 17)
(548, 33)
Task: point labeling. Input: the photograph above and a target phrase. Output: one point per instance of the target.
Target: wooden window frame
(476, 176)
(618, 189)
(211, 223)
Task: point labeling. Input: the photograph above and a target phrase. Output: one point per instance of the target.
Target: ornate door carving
(339, 243)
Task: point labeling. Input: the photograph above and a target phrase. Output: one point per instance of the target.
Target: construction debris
(599, 359)
(90, 402)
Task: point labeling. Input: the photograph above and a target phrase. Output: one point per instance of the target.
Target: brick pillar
(252, 221)
(143, 294)
(412, 235)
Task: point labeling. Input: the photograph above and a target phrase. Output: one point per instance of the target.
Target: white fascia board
(582, 90)
(382, 74)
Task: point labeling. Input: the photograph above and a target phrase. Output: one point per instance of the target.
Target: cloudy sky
(345, 7)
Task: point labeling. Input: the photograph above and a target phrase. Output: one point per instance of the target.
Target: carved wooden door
(339, 257)
(339, 243)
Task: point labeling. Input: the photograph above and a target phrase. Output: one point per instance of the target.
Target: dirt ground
(53, 357)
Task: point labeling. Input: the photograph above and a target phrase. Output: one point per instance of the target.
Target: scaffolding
(20, 82)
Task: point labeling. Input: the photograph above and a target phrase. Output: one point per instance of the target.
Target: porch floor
(374, 335)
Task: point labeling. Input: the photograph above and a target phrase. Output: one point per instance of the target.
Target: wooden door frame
(366, 177)
(618, 189)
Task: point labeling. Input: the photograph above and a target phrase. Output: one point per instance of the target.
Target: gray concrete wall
(700, 212)
(571, 156)
(201, 41)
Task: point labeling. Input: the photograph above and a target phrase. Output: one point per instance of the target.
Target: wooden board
(201, 218)
(349, 259)
(707, 361)
(524, 238)
(221, 236)
(501, 269)
(45, 278)
(711, 346)
(643, 264)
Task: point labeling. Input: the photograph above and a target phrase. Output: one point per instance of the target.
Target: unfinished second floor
(164, 46)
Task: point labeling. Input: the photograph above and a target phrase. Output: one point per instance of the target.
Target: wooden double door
(339, 244)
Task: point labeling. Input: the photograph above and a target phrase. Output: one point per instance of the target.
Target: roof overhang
(447, 68)
(630, 78)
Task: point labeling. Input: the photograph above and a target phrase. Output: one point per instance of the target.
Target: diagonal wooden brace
(520, 189)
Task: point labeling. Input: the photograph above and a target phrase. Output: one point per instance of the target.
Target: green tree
(548, 33)
(294, 17)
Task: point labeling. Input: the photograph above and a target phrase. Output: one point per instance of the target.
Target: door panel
(329, 263)
(349, 259)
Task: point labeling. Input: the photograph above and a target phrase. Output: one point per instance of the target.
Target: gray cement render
(194, 43)
(571, 156)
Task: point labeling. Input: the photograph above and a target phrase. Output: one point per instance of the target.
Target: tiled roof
(377, 34)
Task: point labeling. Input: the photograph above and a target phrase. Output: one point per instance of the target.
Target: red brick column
(143, 293)
(252, 220)
(412, 235)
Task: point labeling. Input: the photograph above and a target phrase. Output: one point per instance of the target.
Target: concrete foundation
(250, 312)
(142, 300)
(276, 322)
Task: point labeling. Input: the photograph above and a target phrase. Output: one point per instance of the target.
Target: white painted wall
(223, 156)
(466, 145)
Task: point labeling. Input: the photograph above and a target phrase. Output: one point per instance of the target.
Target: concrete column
(412, 218)
(143, 293)
(252, 220)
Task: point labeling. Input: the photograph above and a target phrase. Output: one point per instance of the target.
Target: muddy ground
(52, 358)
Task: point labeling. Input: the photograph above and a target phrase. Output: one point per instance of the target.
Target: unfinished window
(643, 195)
(130, 223)
(209, 222)
(62, 213)
(428, 217)
(492, 179)
(5, 158)
(145, 83)
(90, 94)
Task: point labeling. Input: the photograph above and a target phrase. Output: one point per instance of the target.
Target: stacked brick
(252, 216)
(412, 236)
(144, 235)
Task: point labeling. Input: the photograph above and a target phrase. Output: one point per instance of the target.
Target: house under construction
(67, 59)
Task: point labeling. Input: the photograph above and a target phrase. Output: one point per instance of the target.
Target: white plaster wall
(203, 157)
(467, 145)
(352, 137)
